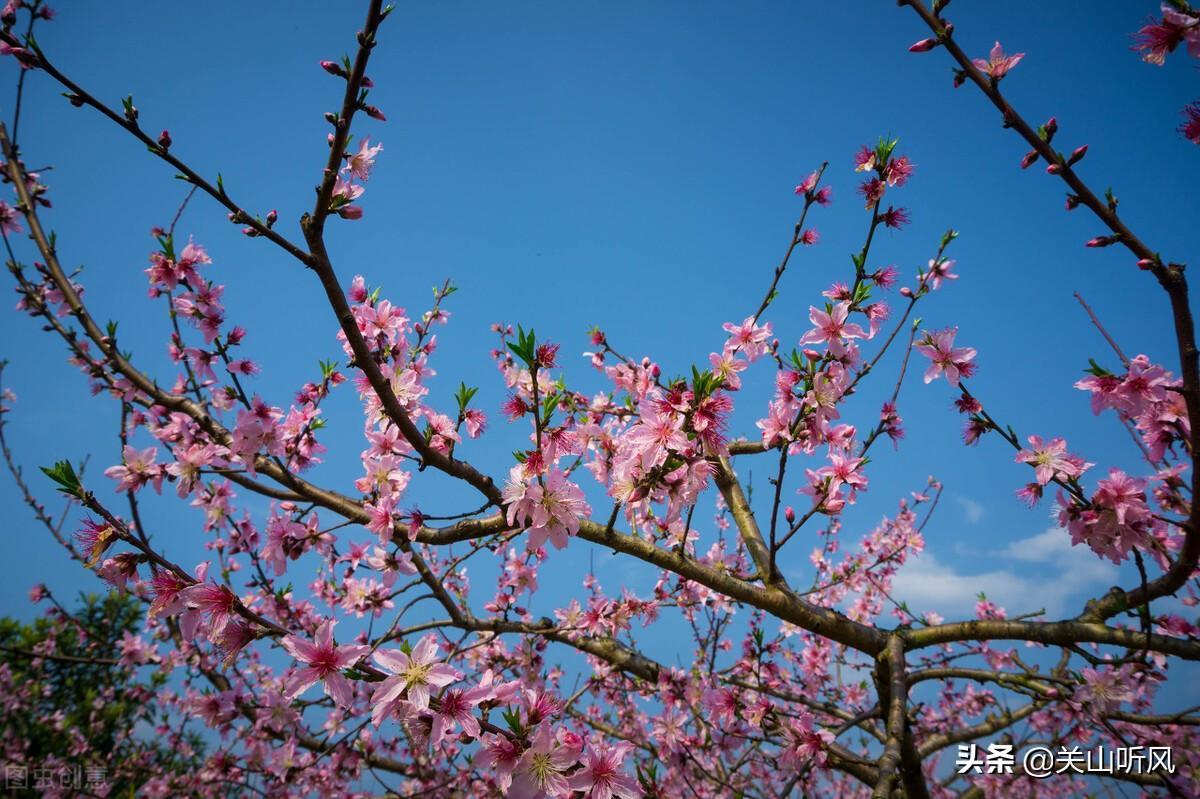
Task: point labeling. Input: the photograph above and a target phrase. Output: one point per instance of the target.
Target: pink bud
(789, 514)
(905, 291)
(1077, 155)
(350, 212)
(164, 140)
(923, 46)
(1052, 126)
(1029, 159)
(1053, 169)
(333, 68)
(374, 113)
(272, 216)
(1145, 263)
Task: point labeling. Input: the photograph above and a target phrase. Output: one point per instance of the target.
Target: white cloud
(1048, 573)
(972, 510)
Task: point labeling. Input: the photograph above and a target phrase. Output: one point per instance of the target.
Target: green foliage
(64, 474)
(525, 347)
(87, 693)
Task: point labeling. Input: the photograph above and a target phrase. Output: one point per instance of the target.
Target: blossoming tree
(831, 689)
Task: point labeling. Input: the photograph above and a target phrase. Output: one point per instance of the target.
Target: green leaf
(64, 474)
(1097, 370)
(464, 396)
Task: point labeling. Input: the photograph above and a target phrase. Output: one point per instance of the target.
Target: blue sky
(631, 167)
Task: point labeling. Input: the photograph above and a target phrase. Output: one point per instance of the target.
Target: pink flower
(899, 170)
(500, 753)
(10, 222)
(777, 426)
(658, 432)
(361, 162)
(953, 361)
(830, 326)
(188, 463)
(939, 270)
(1050, 461)
(809, 183)
(540, 770)
(167, 587)
(806, 743)
(1117, 520)
(748, 338)
(94, 538)
(344, 193)
(457, 706)
(872, 191)
(864, 159)
(1190, 127)
(325, 662)
(1105, 690)
(476, 421)
(380, 518)
(412, 675)
(895, 217)
(549, 511)
(138, 469)
(997, 64)
(601, 776)
(1156, 39)
(217, 601)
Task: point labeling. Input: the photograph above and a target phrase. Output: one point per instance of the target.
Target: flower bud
(1072, 202)
(1053, 169)
(350, 212)
(164, 140)
(923, 46)
(1077, 155)
(374, 113)
(271, 217)
(1051, 126)
(1145, 263)
(333, 69)
(1029, 159)
(789, 514)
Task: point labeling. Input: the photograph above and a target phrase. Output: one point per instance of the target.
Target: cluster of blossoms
(1157, 38)
(1118, 516)
(455, 703)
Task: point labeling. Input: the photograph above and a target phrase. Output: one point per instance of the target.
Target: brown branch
(1170, 276)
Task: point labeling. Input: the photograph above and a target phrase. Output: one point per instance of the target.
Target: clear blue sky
(628, 166)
